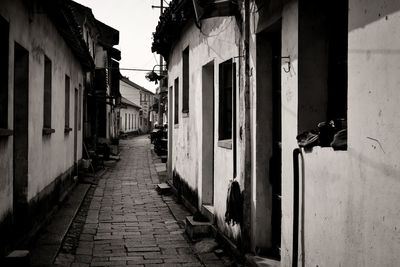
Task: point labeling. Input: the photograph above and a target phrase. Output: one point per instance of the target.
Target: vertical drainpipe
(246, 154)
(160, 118)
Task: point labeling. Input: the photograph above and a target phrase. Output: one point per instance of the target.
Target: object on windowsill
(326, 132)
(308, 139)
(67, 129)
(340, 140)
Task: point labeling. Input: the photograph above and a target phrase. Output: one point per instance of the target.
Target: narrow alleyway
(128, 223)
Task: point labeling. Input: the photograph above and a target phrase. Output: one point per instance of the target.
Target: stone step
(197, 230)
(18, 258)
(163, 188)
(257, 261)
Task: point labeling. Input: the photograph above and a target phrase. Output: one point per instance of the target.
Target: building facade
(142, 97)
(48, 54)
(106, 83)
(247, 79)
(129, 117)
(43, 76)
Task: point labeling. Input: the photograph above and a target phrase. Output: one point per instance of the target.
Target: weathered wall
(289, 123)
(217, 42)
(49, 156)
(349, 212)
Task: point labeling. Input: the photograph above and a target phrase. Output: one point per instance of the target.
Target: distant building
(103, 97)
(129, 117)
(141, 97)
(107, 77)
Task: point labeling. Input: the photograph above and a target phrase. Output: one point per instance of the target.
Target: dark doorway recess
(268, 142)
(21, 118)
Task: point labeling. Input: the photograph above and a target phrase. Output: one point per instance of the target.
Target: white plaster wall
(350, 198)
(289, 123)
(49, 156)
(219, 42)
(134, 112)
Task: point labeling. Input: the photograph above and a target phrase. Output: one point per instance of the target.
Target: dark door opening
(276, 159)
(20, 147)
(76, 113)
(268, 142)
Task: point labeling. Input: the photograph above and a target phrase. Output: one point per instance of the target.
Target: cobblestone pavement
(127, 222)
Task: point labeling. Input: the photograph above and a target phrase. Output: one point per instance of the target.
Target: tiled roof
(62, 15)
(179, 12)
(126, 80)
(130, 103)
(170, 25)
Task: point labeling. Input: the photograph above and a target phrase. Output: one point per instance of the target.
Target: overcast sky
(136, 21)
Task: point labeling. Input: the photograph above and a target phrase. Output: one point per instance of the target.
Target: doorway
(20, 146)
(268, 143)
(208, 134)
(76, 113)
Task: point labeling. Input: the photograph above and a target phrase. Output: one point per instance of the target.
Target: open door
(268, 143)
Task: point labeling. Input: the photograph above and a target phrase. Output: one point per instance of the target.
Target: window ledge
(67, 129)
(225, 143)
(6, 132)
(176, 126)
(327, 149)
(48, 131)
(185, 114)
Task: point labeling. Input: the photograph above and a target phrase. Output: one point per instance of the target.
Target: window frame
(47, 93)
(227, 103)
(185, 80)
(67, 107)
(176, 101)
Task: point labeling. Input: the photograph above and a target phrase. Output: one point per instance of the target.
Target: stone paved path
(128, 223)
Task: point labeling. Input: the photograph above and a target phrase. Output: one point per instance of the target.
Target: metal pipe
(295, 246)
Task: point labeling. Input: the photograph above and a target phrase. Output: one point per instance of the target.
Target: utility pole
(160, 115)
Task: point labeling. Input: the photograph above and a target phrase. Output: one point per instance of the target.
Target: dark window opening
(337, 39)
(21, 134)
(323, 70)
(47, 94)
(176, 101)
(226, 99)
(185, 81)
(80, 107)
(4, 57)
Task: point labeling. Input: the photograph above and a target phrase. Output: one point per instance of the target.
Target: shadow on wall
(372, 10)
(232, 229)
